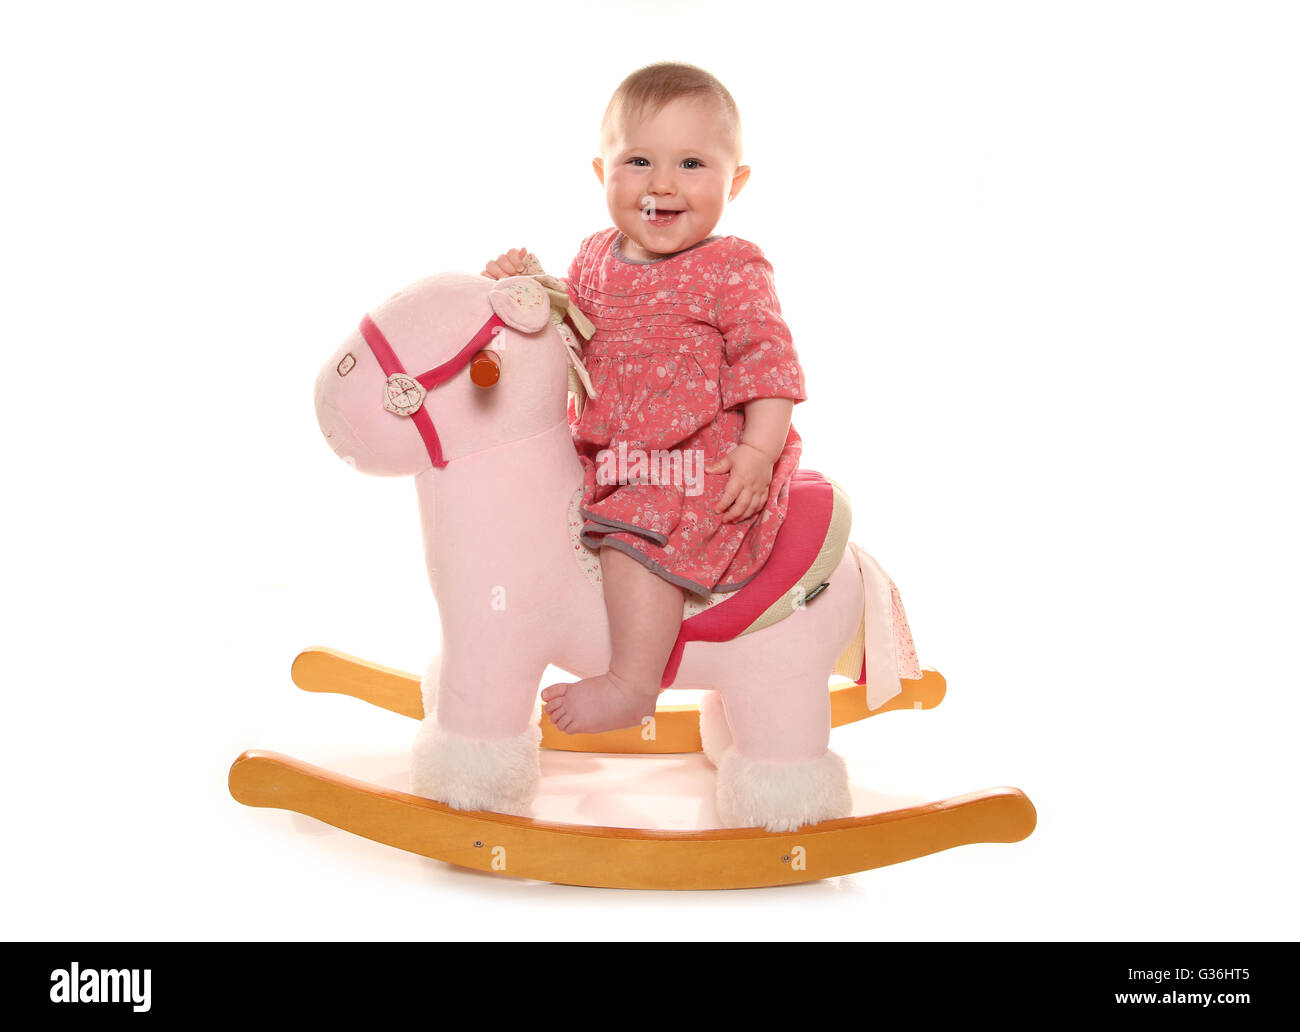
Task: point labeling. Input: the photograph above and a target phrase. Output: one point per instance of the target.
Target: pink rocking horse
(461, 382)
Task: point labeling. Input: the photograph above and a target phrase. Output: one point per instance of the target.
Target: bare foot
(604, 703)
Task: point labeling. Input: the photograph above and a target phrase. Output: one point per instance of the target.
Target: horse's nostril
(346, 363)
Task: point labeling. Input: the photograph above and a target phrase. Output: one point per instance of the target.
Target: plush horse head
(452, 365)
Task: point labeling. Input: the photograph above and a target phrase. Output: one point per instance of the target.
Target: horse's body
(512, 597)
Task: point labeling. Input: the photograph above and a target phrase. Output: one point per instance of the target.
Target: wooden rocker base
(623, 858)
(676, 729)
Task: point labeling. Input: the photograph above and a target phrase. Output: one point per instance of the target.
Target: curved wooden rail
(627, 858)
(676, 728)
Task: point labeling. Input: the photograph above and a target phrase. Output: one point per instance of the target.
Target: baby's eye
(692, 163)
(639, 162)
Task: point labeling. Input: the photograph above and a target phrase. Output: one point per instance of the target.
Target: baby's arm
(762, 374)
(767, 422)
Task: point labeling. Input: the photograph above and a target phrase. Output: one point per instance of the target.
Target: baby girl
(690, 357)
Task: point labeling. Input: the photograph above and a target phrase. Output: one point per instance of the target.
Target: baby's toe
(562, 719)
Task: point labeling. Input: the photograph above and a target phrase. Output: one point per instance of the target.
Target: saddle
(807, 549)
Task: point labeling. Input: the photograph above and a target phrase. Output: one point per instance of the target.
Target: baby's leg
(645, 616)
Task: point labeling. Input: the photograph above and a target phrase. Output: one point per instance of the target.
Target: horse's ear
(521, 302)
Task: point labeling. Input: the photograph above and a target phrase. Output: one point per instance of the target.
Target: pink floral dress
(681, 344)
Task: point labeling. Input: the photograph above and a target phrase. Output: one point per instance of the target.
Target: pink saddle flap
(798, 542)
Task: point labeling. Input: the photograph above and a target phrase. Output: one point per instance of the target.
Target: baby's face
(668, 177)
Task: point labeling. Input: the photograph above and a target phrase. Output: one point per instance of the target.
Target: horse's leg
(715, 733)
(779, 772)
(768, 731)
(477, 747)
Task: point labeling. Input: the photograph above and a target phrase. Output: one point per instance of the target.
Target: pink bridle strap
(392, 365)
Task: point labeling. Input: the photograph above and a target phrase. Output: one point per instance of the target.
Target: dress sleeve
(574, 276)
(575, 271)
(761, 361)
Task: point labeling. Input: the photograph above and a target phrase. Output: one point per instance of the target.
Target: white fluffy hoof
(715, 734)
(782, 796)
(501, 775)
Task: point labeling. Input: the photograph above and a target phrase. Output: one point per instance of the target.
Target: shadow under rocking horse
(461, 382)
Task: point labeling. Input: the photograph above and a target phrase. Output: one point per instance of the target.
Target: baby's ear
(521, 302)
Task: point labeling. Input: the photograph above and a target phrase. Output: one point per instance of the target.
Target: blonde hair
(648, 90)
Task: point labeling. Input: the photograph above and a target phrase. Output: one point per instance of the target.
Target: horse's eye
(346, 364)
(485, 368)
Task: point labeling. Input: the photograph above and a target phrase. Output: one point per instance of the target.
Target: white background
(1040, 261)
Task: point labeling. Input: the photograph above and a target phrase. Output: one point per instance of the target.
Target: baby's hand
(509, 264)
(746, 491)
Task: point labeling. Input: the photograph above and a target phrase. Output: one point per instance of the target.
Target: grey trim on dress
(602, 524)
(654, 567)
(617, 251)
(728, 588)
(693, 586)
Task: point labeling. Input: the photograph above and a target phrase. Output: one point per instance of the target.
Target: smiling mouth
(659, 217)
